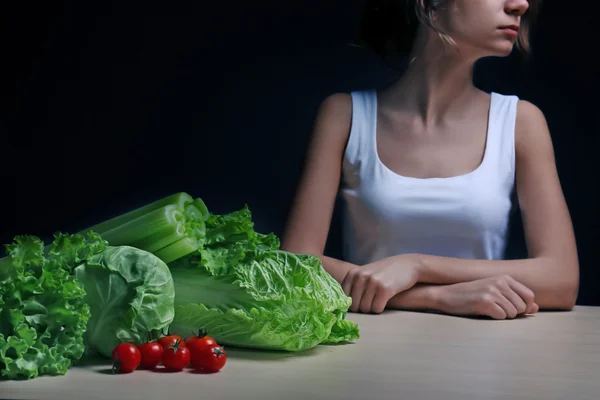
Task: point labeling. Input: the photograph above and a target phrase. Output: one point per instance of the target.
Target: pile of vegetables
(78, 295)
(168, 265)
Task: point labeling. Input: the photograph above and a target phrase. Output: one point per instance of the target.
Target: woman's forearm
(421, 297)
(554, 284)
(552, 289)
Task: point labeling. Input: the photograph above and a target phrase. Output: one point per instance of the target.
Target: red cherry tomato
(170, 339)
(202, 339)
(176, 358)
(208, 359)
(152, 353)
(126, 358)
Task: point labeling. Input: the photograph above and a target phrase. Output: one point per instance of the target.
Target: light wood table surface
(400, 355)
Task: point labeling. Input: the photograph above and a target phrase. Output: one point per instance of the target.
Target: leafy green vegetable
(111, 283)
(43, 314)
(170, 228)
(247, 292)
(76, 293)
(130, 292)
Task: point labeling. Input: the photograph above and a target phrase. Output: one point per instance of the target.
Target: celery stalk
(161, 222)
(177, 250)
(197, 230)
(171, 227)
(161, 239)
(193, 213)
(178, 199)
(201, 207)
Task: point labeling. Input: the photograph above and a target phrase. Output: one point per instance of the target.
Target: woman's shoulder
(530, 122)
(344, 99)
(531, 126)
(335, 109)
(336, 102)
(333, 120)
(506, 96)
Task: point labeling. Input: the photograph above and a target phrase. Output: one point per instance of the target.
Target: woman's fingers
(516, 300)
(366, 302)
(363, 290)
(495, 311)
(356, 291)
(348, 281)
(508, 307)
(525, 294)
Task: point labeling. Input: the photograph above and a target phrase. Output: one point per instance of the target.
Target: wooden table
(401, 355)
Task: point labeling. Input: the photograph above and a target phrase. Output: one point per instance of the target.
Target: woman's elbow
(563, 297)
(569, 296)
(571, 286)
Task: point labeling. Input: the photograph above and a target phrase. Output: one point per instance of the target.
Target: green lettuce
(78, 294)
(43, 315)
(247, 292)
(130, 292)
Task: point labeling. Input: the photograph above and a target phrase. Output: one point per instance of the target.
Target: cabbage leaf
(248, 292)
(130, 292)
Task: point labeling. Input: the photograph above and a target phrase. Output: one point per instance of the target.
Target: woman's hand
(498, 297)
(373, 285)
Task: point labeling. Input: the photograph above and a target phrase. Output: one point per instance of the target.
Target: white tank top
(464, 216)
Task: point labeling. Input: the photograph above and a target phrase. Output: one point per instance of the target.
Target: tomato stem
(175, 346)
(116, 364)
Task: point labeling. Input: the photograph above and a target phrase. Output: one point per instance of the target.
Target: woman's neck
(438, 82)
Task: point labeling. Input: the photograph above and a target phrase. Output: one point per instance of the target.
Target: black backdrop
(107, 106)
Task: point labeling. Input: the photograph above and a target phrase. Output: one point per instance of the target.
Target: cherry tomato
(126, 358)
(202, 339)
(170, 339)
(208, 359)
(151, 354)
(176, 358)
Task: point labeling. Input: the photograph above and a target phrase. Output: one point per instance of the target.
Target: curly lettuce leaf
(43, 315)
(229, 228)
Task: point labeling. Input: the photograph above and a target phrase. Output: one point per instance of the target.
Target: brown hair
(395, 22)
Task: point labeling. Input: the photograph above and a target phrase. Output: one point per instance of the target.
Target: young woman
(427, 167)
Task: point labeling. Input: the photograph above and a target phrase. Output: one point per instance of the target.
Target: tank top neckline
(412, 179)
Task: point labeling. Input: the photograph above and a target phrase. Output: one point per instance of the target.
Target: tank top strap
(501, 135)
(364, 113)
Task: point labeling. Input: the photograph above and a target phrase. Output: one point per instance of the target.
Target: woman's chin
(502, 49)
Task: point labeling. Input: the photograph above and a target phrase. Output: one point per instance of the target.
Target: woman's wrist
(419, 297)
(416, 262)
(435, 297)
(338, 269)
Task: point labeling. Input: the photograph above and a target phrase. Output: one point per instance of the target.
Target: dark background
(107, 106)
